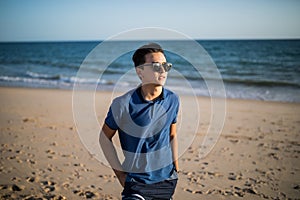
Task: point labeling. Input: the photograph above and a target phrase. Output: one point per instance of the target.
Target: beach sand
(42, 156)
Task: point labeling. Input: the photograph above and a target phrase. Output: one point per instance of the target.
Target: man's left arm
(174, 145)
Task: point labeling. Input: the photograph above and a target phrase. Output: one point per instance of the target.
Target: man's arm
(174, 145)
(110, 153)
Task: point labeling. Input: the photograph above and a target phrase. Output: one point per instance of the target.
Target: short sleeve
(110, 121)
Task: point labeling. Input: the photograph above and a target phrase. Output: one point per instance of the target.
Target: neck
(151, 92)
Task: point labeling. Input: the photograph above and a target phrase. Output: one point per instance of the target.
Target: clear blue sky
(42, 20)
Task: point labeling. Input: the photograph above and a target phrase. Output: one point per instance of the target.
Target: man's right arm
(110, 153)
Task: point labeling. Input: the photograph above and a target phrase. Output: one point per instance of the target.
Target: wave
(44, 79)
(111, 76)
(43, 76)
(232, 90)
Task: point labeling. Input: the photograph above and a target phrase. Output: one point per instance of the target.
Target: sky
(69, 20)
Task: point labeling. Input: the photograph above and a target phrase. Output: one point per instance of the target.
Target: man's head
(139, 55)
(150, 64)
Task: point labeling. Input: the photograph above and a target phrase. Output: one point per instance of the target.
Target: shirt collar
(160, 97)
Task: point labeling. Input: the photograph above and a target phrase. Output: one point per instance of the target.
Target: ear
(139, 72)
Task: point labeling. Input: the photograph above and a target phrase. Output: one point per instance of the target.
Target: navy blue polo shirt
(144, 132)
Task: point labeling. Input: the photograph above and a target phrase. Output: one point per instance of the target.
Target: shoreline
(256, 155)
(107, 90)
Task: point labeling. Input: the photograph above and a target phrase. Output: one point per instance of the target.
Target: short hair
(138, 57)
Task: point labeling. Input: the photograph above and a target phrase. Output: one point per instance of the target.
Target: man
(145, 119)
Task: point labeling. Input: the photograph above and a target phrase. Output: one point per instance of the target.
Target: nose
(162, 69)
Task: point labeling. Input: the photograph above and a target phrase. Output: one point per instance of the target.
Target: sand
(42, 156)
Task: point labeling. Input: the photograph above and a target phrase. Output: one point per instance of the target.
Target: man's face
(147, 75)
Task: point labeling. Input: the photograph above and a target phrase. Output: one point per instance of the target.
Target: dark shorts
(138, 191)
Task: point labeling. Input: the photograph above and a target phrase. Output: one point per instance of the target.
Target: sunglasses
(156, 66)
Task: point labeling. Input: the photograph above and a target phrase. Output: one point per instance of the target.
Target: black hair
(138, 57)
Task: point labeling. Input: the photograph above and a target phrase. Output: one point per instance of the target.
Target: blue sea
(267, 70)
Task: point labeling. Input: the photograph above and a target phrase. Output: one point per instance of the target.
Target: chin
(161, 84)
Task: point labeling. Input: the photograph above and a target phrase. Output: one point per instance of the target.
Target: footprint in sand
(32, 120)
(48, 186)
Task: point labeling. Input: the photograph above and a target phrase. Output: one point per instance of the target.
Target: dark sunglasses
(156, 66)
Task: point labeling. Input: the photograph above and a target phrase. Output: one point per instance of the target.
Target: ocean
(267, 70)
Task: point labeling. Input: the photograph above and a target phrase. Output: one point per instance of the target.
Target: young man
(145, 119)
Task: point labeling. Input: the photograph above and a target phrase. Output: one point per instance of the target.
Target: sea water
(250, 69)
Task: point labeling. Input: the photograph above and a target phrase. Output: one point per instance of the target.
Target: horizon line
(101, 40)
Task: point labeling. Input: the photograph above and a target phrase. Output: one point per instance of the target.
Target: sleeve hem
(111, 127)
